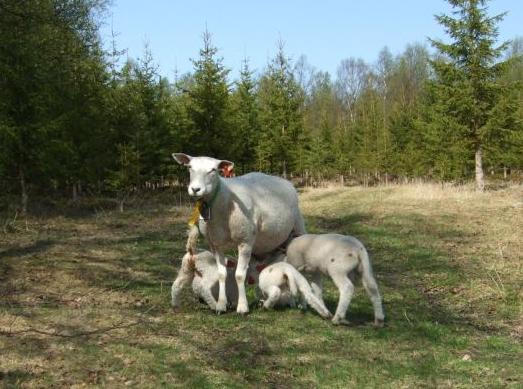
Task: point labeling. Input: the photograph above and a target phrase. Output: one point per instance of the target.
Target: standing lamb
(275, 280)
(254, 213)
(337, 256)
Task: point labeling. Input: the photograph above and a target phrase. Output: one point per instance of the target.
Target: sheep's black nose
(195, 190)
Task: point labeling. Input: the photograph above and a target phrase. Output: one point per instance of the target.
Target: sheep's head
(203, 172)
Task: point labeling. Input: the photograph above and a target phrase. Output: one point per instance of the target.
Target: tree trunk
(480, 180)
(23, 190)
(75, 193)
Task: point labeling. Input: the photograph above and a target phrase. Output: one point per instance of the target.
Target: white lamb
(254, 213)
(200, 270)
(280, 278)
(337, 256)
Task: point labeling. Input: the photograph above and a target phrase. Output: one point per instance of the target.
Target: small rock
(466, 357)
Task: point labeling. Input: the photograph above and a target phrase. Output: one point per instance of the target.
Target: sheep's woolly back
(192, 239)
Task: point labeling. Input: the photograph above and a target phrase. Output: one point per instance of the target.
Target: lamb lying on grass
(201, 270)
(339, 257)
(280, 278)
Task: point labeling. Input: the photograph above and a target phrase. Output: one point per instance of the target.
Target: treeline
(73, 121)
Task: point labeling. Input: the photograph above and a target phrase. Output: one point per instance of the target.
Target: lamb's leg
(273, 295)
(221, 305)
(183, 278)
(370, 285)
(317, 285)
(244, 256)
(346, 289)
(203, 288)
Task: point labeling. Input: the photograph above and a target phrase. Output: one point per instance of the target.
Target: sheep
(337, 256)
(254, 213)
(201, 269)
(281, 277)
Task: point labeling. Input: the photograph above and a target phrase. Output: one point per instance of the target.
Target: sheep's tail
(192, 239)
(301, 283)
(370, 285)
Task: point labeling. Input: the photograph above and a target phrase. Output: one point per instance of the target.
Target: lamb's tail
(299, 282)
(370, 285)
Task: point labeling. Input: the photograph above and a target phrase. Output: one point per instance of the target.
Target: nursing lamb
(200, 270)
(280, 278)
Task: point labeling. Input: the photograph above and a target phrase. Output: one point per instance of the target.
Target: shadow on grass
(14, 378)
(35, 248)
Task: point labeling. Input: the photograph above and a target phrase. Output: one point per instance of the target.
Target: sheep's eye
(211, 171)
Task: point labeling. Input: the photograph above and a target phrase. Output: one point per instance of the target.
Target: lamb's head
(204, 177)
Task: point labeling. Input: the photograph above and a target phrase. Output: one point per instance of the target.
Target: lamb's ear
(182, 159)
(226, 168)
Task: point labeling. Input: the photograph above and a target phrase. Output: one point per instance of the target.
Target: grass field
(84, 300)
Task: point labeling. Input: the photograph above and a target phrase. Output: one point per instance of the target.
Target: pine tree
(465, 92)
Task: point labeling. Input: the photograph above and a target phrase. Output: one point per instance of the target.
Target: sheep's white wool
(338, 256)
(254, 214)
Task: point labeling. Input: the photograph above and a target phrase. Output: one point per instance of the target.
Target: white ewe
(277, 279)
(337, 256)
(254, 213)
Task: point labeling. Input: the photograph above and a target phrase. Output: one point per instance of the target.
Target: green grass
(85, 300)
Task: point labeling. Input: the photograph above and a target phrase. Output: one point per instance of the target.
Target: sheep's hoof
(339, 321)
(221, 308)
(379, 323)
(242, 310)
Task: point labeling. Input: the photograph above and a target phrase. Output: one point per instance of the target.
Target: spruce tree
(464, 92)
(280, 100)
(245, 118)
(209, 103)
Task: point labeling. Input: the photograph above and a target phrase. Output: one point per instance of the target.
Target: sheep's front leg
(244, 256)
(221, 305)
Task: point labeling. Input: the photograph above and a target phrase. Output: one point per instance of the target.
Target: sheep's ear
(182, 159)
(226, 168)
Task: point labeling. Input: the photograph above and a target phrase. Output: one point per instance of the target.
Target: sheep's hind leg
(369, 283)
(273, 295)
(346, 289)
(317, 285)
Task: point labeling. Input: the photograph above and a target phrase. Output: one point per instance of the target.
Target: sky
(326, 31)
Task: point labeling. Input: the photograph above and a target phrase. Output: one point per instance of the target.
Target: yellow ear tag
(193, 221)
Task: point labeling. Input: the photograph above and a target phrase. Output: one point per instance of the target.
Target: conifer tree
(280, 99)
(246, 125)
(465, 93)
(209, 103)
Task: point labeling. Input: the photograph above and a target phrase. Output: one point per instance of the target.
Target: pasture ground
(84, 299)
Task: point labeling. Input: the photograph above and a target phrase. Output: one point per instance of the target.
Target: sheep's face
(203, 172)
